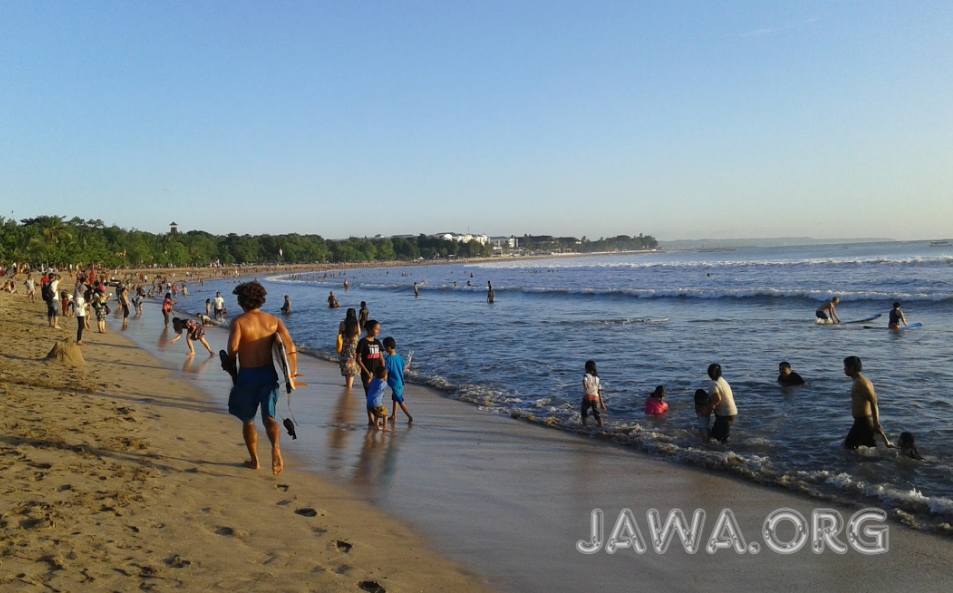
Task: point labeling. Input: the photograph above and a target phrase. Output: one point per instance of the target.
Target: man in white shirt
(219, 305)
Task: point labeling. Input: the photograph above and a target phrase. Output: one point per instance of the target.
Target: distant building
(501, 243)
(461, 238)
(173, 228)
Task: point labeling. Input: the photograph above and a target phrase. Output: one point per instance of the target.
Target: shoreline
(120, 476)
(510, 500)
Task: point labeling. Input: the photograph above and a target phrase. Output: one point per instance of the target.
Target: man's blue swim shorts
(255, 386)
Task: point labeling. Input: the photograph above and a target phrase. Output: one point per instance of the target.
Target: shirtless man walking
(863, 407)
(251, 337)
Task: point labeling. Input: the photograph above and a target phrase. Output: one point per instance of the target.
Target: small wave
(580, 265)
(681, 445)
(756, 293)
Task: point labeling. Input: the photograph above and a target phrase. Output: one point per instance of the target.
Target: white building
(501, 243)
(461, 238)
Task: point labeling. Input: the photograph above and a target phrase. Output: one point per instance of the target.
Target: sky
(678, 119)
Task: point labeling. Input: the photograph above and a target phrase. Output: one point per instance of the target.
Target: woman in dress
(194, 331)
(349, 334)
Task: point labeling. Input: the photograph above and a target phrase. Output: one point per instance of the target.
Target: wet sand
(510, 500)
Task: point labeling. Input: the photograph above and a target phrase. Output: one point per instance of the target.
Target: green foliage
(584, 245)
(53, 240)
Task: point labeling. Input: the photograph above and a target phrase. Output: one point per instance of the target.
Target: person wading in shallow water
(863, 407)
(251, 337)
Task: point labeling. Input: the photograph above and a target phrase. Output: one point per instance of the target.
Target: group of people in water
(827, 313)
(376, 361)
(718, 399)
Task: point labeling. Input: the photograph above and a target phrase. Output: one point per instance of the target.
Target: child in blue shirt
(395, 365)
(376, 412)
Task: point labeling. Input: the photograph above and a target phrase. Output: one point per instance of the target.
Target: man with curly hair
(251, 337)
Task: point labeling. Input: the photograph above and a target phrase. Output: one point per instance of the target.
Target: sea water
(661, 319)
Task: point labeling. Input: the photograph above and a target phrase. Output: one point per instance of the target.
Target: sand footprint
(177, 561)
(306, 512)
(343, 546)
(371, 587)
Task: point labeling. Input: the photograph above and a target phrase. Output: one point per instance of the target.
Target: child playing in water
(654, 404)
(376, 412)
(907, 446)
(592, 394)
(703, 415)
(395, 365)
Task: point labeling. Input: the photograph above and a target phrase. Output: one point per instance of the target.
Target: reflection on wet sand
(163, 338)
(371, 461)
(341, 427)
(191, 367)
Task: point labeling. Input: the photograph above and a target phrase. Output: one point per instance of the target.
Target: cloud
(779, 30)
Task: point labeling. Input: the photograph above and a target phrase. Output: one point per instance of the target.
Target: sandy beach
(118, 477)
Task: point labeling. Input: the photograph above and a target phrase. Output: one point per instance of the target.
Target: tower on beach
(173, 228)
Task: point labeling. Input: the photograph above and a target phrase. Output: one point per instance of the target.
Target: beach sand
(118, 477)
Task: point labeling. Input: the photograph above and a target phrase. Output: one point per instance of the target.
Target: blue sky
(677, 119)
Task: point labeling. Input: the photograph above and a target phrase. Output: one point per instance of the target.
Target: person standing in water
(591, 394)
(722, 402)
(863, 407)
(251, 337)
(416, 291)
(490, 293)
(286, 308)
(370, 353)
(896, 317)
(349, 332)
(363, 315)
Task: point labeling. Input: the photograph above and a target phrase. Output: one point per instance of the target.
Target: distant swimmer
(416, 291)
(896, 317)
(333, 301)
(286, 308)
(490, 293)
(863, 407)
(346, 285)
(788, 377)
(826, 313)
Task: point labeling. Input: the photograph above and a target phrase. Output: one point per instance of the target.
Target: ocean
(660, 319)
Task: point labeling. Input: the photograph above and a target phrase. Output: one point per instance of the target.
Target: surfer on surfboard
(826, 313)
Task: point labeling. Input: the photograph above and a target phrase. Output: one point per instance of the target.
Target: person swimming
(906, 444)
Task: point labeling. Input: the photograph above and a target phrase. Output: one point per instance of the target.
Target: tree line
(584, 245)
(54, 240)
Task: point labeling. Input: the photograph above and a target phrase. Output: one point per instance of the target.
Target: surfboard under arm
(281, 358)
